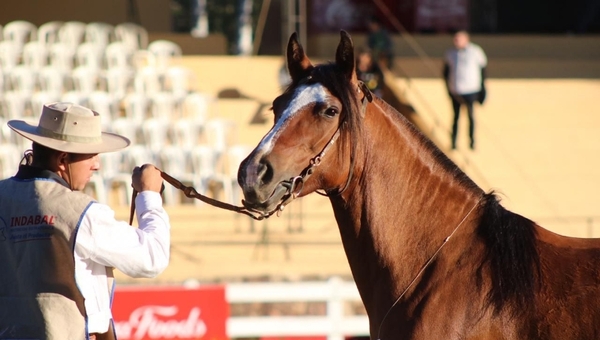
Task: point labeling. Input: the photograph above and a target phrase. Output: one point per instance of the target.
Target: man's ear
(62, 161)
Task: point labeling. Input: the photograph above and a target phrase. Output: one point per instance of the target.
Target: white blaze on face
(303, 96)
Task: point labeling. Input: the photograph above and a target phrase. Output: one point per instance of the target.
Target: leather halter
(294, 185)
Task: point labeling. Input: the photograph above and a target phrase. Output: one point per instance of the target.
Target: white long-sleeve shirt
(465, 69)
(102, 241)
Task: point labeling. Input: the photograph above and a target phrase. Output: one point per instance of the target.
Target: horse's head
(310, 115)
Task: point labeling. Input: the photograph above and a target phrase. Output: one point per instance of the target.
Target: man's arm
(446, 74)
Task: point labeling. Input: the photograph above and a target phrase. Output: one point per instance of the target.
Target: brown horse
(397, 200)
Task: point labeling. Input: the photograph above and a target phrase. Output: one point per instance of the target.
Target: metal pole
(294, 17)
(244, 45)
(200, 29)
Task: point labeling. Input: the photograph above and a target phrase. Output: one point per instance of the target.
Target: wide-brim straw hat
(70, 128)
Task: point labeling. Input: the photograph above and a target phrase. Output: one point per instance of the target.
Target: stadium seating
(137, 87)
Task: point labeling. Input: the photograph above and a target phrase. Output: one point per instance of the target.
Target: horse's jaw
(264, 202)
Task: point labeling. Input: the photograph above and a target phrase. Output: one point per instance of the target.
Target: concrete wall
(155, 15)
(213, 44)
(496, 46)
(510, 56)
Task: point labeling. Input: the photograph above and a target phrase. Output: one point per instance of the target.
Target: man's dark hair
(42, 155)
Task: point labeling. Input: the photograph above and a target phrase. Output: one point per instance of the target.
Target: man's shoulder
(475, 47)
(55, 189)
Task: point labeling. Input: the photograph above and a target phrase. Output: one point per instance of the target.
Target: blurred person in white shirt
(464, 74)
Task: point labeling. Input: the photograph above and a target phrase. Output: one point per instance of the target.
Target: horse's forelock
(330, 76)
(336, 82)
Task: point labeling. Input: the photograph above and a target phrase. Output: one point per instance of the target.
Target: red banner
(170, 313)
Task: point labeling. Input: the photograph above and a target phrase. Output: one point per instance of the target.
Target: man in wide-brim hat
(58, 246)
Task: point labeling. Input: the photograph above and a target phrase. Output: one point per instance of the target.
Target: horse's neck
(402, 206)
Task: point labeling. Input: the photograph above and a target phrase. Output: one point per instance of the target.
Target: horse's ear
(344, 56)
(297, 62)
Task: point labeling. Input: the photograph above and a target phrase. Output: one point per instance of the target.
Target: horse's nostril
(265, 172)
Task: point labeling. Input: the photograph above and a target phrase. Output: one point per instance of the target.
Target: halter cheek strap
(297, 183)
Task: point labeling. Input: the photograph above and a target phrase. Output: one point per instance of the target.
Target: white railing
(335, 324)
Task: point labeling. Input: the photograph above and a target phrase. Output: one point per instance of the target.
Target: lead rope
(191, 192)
(425, 266)
(295, 183)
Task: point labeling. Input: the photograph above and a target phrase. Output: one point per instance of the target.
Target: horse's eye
(330, 112)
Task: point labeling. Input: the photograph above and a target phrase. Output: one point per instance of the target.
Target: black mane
(511, 256)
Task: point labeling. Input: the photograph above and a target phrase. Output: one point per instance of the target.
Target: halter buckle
(316, 161)
(296, 186)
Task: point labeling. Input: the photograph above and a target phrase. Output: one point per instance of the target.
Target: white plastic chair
(133, 35)
(155, 131)
(20, 32)
(10, 156)
(5, 132)
(136, 106)
(23, 79)
(96, 188)
(71, 33)
(165, 48)
(35, 55)
(118, 55)
(117, 81)
(163, 106)
(75, 97)
(90, 55)
(142, 59)
(147, 81)
(40, 98)
(196, 107)
(14, 104)
(165, 51)
(99, 33)
(137, 155)
(220, 134)
(116, 175)
(9, 55)
(179, 81)
(235, 155)
(62, 56)
(119, 172)
(106, 105)
(51, 79)
(47, 33)
(176, 162)
(126, 127)
(185, 133)
(204, 166)
(85, 79)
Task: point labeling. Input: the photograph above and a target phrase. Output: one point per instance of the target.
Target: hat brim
(110, 141)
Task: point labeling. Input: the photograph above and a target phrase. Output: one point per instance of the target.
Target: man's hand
(146, 177)
(481, 95)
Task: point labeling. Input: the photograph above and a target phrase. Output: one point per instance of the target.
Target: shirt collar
(31, 172)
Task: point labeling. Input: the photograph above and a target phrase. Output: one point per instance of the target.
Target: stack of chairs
(137, 87)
